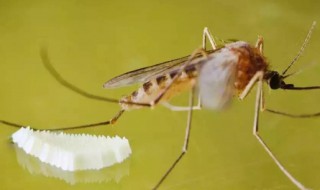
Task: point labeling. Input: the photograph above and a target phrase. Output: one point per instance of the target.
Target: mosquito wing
(216, 80)
(143, 74)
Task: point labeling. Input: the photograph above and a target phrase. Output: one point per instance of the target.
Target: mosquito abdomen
(151, 89)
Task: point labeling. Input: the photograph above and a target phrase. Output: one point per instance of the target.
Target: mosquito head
(276, 81)
(273, 79)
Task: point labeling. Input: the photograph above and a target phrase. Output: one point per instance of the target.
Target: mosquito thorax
(250, 61)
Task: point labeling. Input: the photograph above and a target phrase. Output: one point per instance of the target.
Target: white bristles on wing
(72, 152)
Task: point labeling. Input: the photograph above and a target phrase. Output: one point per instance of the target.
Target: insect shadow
(219, 74)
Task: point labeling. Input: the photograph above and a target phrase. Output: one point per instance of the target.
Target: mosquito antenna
(47, 63)
(291, 74)
(299, 71)
(302, 47)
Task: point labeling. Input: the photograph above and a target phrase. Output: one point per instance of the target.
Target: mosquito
(216, 75)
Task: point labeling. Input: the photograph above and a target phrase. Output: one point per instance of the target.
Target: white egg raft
(72, 152)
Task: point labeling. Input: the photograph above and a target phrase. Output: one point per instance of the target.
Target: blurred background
(90, 42)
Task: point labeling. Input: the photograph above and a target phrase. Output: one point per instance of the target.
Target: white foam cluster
(72, 152)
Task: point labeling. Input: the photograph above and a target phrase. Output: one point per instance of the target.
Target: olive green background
(90, 42)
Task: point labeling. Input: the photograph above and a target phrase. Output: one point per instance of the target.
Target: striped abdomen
(150, 90)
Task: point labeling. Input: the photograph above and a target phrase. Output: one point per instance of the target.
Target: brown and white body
(218, 74)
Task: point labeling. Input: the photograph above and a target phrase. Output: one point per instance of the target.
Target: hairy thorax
(250, 61)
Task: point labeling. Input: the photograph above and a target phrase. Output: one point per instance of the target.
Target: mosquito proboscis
(219, 74)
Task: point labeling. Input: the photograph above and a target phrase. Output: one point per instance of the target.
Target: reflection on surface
(35, 166)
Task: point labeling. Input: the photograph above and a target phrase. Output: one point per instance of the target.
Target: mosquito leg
(264, 145)
(257, 77)
(262, 100)
(199, 102)
(185, 143)
(111, 121)
(207, 34)
(179, 108)
(249, 86)
(182, 108)
(259, 44)
(11, 124)
(48, 65)
(293, 115)
(291, 87)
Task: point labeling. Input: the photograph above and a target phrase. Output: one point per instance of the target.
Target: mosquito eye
(275, 82)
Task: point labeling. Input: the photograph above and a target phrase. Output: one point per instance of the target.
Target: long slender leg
(251, 83)
(264, 145)
(207, 34)
(257, 77)
(294, 115)
(111, 121)
(185, 143)
(48, 65)
(259, 106)
(9, 123)
(182, 108)
(259, 44)
(291, 87)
